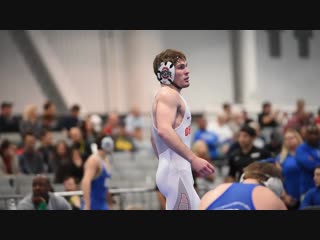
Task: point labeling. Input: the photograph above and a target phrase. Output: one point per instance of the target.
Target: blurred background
(62, 87)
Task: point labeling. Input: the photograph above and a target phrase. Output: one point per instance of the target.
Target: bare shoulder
(212, 195)
(167, 94)
(265, 199)
(91, 161)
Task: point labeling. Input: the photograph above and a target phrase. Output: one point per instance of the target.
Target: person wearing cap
(8, 123)
(94, 184)
(245, 154)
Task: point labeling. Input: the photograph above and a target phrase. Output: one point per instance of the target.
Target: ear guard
(273, 183)
(166, 73)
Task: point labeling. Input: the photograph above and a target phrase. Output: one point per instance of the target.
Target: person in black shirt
(8, 122)
(245, 154)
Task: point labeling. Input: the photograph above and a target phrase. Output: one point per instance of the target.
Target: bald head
(41, 186)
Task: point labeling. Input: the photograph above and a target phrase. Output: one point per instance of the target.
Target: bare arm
(90, 169)
(212, 195)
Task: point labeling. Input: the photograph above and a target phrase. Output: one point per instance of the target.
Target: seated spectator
(30, 122)
(70, 184)
(49, 118)
(71, 120)
(312, 197)
(69, 162)
(78, 141)
(30, 161)
(42, 197)
(111, 126)
(8, 123)
(123, 141)
(8, 158)
(135, 123)
(46, 149)
(88, 131)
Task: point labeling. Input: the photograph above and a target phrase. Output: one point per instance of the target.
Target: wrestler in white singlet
(174, 175)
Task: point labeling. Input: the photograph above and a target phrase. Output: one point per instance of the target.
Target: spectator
(71, 184)
(246, 154)
(30, 161)
(73, 119)
(8, 123)
(312, 197)
(8, 158)
(308, 157)
(30, 122)
(42, 198)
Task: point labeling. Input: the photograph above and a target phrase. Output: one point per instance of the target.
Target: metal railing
(9, 202)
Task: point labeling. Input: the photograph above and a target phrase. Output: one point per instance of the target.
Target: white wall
(209, 56)
(126, 78)
(79, 54)
(17, 83)
(283, 80)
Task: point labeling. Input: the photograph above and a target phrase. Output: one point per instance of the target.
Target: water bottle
(12, 204)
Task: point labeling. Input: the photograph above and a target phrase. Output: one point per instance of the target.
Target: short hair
(226, 105)
(6, 105)
(262, 171)
(75, 108)
(169, 55)
(249, 130)
(47, 105)
(5, 144)
(266, 104)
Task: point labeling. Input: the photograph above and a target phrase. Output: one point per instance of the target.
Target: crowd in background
(233, 139)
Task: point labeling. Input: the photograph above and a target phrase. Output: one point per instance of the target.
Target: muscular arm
(90, 169)
(212, 195)
(264, 199)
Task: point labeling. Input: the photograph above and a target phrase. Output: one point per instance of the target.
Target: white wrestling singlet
(174, 174)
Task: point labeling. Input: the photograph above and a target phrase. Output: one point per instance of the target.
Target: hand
(202, 167)
(38, 199)
(288, 200)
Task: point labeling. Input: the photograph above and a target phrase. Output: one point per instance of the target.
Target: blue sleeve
(302, 158)
(307, 200)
